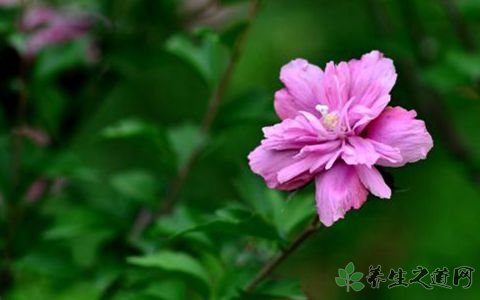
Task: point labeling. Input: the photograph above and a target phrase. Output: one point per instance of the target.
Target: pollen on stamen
(330, 121)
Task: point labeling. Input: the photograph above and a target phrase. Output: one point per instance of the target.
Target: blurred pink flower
(36, 190)
(9, 3)
(335, 127)
(46, 26)
(36, 135)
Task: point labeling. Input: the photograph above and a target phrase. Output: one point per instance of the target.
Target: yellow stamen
(330, 121)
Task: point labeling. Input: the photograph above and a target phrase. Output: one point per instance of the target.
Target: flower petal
(372, 79)
(268, 163)
(358, 150)
(302, 82)
(398, 128)
(373, 181)
(337, 191)
(336, 86)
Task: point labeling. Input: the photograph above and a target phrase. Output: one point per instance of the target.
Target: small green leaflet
(349, 278)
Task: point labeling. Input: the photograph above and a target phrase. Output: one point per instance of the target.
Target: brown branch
(272, 265)
(144, 219)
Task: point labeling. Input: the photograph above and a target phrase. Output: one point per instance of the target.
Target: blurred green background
(122, 126)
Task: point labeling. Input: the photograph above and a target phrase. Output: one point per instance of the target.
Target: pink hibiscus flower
(336, 126)
(47, 26)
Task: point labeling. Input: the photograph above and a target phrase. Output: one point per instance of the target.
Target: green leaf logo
(349, 278)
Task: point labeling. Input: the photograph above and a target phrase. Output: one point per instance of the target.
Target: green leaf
(288, 213)
(68, 164)
(86, 247)
(236, 221)
(342, 273)
(185, 139)
(340, 281)
(127, 128)
(135, 184)
(51, 105)
(176, 263)
(283, 289)
(356, 276)
(53, 60)
(208, 56)
(295, 211)
(253, 107)
(465, 63)
(357, 286)
(167, 290)
(350, 268)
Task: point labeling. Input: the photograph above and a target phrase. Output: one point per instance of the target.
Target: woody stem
(145, 217)
(273, 264)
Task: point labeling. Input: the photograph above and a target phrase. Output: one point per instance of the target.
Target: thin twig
(272, 265)
(144, 219)
(227, 75)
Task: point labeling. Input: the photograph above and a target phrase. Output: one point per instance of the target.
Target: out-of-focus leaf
(131, 128)
(127, 128)
(287, 212)
(291, 212)
(136, 184)
(253, 108)
(237, 221)
(285, 289)
(80, 227)
(208, 57)
(69, 165)
(167, 290)
(180, 220)
(50, 104)
(7, 23)
(457, 70)
(185, 139)
(465, 63)
(86, 246)
(176, 263)
(53, 60)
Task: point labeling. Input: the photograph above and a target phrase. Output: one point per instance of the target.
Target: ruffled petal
(398, 128)
(336, 86)
(268, 163)
(337, 191)
(302, 82)
(373, 181)
(358, 151)
(372, 78)
(292, 150)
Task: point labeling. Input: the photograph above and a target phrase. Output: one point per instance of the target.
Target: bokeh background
(96, 125)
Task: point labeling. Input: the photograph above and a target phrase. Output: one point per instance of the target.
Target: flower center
(329, 120)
